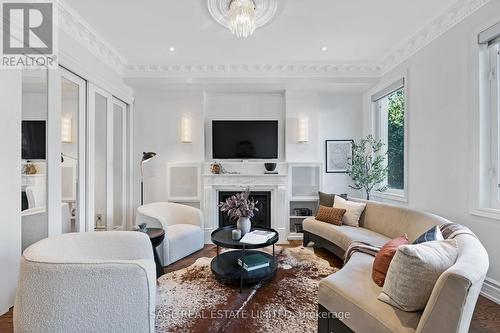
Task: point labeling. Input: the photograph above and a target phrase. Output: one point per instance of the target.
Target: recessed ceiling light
(324, 48)
(172, 49)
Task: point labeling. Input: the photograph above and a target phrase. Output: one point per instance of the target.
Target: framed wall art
(337, 153)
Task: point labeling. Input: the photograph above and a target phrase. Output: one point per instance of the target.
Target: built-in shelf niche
(305, 183)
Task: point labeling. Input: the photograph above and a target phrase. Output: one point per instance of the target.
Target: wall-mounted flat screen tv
(33, 141)
(245, 139)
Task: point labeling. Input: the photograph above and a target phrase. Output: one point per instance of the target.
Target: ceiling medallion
(242, 17)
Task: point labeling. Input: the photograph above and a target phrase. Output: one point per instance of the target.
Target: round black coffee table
(225, 265)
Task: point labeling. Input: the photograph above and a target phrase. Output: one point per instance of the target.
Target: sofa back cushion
(393, 221)
(330, 215)
(414, 271)
(384, 257)
(353, 213)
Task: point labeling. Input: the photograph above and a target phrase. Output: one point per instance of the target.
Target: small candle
(236, 234)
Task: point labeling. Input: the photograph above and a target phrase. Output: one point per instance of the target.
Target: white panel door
(106, 161)
(73, 139)
(119, 172)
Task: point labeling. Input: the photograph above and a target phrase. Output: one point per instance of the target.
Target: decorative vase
(244, 225)
(270, 167)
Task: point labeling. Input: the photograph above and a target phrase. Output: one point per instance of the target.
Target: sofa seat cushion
(344, 235)
(183, 239)
(352, 290)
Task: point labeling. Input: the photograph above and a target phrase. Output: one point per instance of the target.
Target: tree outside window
(390, 129)
(396, 140)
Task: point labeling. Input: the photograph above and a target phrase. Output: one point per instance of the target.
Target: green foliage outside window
(395, 140)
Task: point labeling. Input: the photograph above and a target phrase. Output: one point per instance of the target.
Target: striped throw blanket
(452, 230)
(449, 231)
(357, 246)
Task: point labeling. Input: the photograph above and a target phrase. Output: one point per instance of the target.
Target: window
(493, 176)
(485, 199)
(389, 127)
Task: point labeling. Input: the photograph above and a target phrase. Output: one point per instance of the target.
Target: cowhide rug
(192, 300)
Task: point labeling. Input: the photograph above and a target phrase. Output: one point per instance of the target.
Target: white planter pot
(244, 225)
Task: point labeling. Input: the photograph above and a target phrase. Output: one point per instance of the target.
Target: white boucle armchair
(183, 227)
(87, 282)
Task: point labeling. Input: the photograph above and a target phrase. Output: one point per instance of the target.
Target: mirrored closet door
(34, 167)
(107, 156)
(73, 110)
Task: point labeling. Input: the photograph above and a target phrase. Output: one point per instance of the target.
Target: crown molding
(81, 31)
(72, 23)
(252, 70)
(447, 20)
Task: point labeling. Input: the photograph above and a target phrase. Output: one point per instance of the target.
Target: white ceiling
(355, 31)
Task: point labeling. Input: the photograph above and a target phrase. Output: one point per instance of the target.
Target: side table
(156, 235)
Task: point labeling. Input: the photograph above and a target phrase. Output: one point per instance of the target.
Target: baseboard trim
(491, 290)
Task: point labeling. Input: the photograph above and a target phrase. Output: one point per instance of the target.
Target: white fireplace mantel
(277, 184)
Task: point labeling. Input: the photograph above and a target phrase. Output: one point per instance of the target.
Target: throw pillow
(414, 272)
(383, 258)
(353, 210)
(432, 234)
(330, 215)
(327, 200)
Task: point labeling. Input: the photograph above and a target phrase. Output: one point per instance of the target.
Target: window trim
(481, 203)
(381, 91)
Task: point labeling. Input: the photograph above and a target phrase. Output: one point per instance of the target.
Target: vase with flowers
(240, 208)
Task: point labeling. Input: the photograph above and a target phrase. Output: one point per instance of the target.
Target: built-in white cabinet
(183, 183)
(305, 183)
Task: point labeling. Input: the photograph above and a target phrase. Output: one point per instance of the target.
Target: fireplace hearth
(262, 218)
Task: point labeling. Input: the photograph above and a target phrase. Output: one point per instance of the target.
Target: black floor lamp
(146, 156)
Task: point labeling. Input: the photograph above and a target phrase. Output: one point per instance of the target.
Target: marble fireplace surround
(276, 184)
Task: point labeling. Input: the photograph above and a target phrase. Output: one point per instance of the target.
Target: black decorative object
(302, 212)
(270, 166)
(143, 227)
(146, 156)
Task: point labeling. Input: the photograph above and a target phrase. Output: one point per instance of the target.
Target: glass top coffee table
(225, 265)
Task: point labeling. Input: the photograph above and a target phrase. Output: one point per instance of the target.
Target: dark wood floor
(486, 317)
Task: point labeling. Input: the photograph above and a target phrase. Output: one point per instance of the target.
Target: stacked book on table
(253, 262)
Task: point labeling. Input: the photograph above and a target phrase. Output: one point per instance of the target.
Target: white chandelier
(242, 14)
(242, 17)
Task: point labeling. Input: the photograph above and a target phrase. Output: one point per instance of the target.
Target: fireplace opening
(262, 218)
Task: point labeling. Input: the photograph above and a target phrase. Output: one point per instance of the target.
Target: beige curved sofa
(352, 290)
(87, 282)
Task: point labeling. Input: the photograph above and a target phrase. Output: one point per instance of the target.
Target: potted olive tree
(367, 166)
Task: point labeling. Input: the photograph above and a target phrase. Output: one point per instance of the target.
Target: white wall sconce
(66, 130)
(303, 129)
(186, 130)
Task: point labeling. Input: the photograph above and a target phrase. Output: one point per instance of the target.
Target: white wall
(10, 197)
(244, 106)
(157, 120)
(340, 118)
(300, 104)
(439, 110)
(158, 113)
(35, 106)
